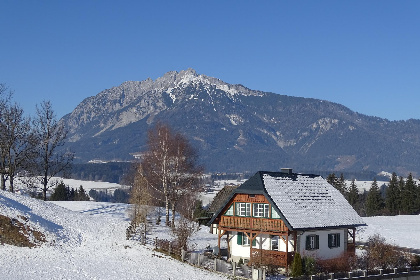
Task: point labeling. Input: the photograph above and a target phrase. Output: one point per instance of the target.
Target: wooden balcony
(253, 224)
(267, 257)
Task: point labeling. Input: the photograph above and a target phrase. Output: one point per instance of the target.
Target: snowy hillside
(87, 243)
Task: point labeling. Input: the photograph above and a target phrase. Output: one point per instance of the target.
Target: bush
(309, 266)
(346, 262)
(297, 266)
(379, 254)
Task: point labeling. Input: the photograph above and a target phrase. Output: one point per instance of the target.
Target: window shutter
(308, 242)
(236, 209)
(338, 240)
(316, 241)
(254, 242)
(239, 238)
(329, 240)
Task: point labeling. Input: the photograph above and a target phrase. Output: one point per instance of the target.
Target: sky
(361, 54)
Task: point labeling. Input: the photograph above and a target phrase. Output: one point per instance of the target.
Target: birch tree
(169, 166)
(50, 135)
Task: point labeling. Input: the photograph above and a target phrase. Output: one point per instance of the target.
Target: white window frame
(243, 209)
(261, 210)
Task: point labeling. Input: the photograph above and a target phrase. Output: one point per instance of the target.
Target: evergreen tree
(353, 196)
(374, 201)
(60, 193)
(338, 183)
(393, 196)
(409, 196)
(297, 269)
(81, 194)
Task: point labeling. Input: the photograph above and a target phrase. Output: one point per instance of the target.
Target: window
(275, 242)
(274, 213)
(334, 240)
(242, 239)
(229, 212)
(260, 210)
(243, 209)
(312, 242)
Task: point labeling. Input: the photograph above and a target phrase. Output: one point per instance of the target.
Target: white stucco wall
(263, 240)
(282, 245)
(324, 252)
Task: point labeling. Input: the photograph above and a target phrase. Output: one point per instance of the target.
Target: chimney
(286, 171)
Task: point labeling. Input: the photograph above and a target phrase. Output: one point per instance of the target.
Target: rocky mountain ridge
(239, 129)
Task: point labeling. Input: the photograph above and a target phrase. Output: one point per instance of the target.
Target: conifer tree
(374, 201)
(353, 196)
(338, 183)
(297, 268)
(409, 196)
(81, 194)
(393, 196)
(60, 193)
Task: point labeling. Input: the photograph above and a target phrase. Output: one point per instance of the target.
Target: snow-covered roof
(308, 201)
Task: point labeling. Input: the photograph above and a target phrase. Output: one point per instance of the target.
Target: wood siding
(267, 257)
(253, 224)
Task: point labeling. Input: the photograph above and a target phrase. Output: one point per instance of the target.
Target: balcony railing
(257, 224)
(267, 257)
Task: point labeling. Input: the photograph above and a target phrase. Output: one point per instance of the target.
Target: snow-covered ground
(87, 240)
(403, 230)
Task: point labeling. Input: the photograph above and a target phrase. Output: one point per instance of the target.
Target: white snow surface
(402, 230)
(87, 240)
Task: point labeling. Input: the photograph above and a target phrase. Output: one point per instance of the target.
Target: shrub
(297, 266)
(379, 254)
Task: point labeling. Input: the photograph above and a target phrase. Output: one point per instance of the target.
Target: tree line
(65, 193)
(30, 144)
(401, 196)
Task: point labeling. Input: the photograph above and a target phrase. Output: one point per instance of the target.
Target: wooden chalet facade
(275, 214)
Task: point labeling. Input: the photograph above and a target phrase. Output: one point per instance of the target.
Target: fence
(207, 260)
(409, 273)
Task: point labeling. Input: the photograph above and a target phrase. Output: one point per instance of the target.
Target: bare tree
(50, 135)
(17, 142)
(5, 97)
(141, 199)
(169, 166)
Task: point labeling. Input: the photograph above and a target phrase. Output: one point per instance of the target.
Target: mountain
(237, 129)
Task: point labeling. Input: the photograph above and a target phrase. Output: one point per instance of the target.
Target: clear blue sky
(362, 54)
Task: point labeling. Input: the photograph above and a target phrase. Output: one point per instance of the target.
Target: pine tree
(338, 183)
(374, 201)
(81, 194)
(409, 196)
(393, 196)
(353, 196)
(60, 193)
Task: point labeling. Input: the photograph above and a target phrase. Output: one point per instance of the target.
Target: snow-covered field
(403, 230)
(86, 240)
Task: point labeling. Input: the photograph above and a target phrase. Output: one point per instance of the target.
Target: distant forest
(113, 172)
(118, 172)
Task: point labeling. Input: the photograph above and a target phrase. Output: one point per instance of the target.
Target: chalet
(275, 214)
